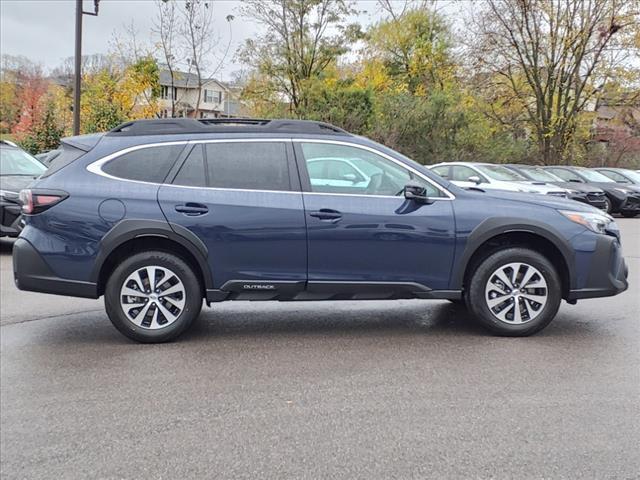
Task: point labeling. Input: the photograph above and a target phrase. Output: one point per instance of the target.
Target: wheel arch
(131, 236)
(491, 236)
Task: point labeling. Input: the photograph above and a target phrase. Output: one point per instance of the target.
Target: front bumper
(595, 200)
(31, 273)
(631, 204)
(10, 219)
(607, 271)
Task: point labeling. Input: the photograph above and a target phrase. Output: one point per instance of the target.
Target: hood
(608, 186)
(15, 183)
(580, 187)
(541, 187)
(558, 203)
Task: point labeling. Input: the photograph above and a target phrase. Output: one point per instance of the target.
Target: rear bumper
(607, 275)
(31, 273)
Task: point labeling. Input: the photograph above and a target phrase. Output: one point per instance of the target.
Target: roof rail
(167, 126)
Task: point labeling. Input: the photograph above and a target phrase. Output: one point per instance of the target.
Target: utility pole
(78, 62)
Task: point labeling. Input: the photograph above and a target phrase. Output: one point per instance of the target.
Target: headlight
(573, 192)
(626, 191)
(596, 222)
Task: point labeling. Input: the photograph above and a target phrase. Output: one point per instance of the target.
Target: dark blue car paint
(256, 235)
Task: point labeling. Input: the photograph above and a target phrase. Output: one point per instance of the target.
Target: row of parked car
(614, 190)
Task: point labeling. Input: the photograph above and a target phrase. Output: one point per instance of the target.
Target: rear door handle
(192, 209)
(326, 214)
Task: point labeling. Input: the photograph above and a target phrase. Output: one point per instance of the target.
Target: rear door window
(193, 173)
(151, 164)
(248, 165)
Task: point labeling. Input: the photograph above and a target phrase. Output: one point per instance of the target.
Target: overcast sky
(43, 30)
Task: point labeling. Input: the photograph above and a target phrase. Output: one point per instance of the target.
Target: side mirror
(575, 180)
(417, 193)
(350, 177)
(475, 179)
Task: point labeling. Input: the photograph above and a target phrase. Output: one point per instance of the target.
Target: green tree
(339, 102)
(302, 38)
(46, 133)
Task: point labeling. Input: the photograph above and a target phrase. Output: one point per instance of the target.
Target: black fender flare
(129, 229)
(493, 227)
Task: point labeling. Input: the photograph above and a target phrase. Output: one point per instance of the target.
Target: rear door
(242, 199)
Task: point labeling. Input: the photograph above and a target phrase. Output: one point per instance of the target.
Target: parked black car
(621, 198)
(621, 175)
(580, 192)
(17, 170)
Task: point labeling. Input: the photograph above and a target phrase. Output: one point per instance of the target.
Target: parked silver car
(492, 177)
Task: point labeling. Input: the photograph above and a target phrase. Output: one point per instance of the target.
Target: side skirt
(318, 290)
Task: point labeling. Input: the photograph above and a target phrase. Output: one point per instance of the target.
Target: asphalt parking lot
(402, 389)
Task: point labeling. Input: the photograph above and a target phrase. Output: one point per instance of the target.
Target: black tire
(192, 300)
(478, 281)
(608, 205)
(628, 214)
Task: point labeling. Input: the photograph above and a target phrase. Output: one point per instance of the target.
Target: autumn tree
(553, 58)
(46, 133)
(300, 39)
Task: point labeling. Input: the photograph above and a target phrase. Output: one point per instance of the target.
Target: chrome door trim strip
(96, 166)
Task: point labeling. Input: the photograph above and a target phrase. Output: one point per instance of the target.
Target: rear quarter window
(151, 164)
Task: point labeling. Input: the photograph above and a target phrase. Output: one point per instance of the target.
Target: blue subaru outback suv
(157, 215)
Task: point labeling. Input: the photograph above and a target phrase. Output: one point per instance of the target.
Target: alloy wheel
(152, 297)
(516, 293)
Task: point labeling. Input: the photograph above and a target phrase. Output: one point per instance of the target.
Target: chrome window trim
(449, 195)
(96, 166)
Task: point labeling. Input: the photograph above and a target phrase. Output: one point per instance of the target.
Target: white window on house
(169, 93)
(212, 96)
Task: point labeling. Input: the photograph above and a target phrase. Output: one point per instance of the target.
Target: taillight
(38, 200)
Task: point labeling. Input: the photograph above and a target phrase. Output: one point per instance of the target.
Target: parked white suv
(492, 177)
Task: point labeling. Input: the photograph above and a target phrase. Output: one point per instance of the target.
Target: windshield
(540, 175)
(594, 176)
(497, 172)
(18, 162)
(634, 176)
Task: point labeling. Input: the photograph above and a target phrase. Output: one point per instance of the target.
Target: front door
(362, 233)
(243, 200)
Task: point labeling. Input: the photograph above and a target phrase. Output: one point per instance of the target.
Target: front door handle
(192, 209)
(326, 214)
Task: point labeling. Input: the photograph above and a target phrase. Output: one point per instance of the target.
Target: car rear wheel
(153, 297)
(515, 292)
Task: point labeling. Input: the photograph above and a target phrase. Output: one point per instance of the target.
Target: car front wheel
(515, 292)
(153, 297)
